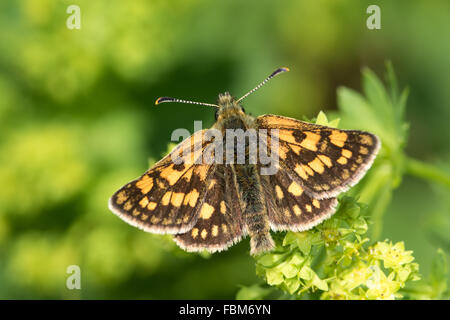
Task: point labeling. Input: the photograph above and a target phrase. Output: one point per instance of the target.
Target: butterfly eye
(217, 114)
(243, 110)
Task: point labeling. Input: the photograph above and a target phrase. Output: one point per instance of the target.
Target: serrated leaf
(377, 96)
(322, 119)
(334, 123)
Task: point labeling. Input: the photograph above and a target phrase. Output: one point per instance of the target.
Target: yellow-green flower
(357, 276)
(381, 287)
(393, 256)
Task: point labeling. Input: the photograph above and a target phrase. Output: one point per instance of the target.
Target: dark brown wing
(289, 207)
(324, 161)
(167, 198)
(220, 224)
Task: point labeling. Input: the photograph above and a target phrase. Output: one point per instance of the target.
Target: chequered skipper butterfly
(212, 206)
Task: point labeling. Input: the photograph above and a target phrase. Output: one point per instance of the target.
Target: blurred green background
(77, 121)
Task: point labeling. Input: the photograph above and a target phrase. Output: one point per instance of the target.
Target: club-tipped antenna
(169, 99)
(274, 74)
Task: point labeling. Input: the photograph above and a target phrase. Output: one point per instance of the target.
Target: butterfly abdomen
(253, 208)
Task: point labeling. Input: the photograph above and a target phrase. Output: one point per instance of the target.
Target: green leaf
(377, 97)
(292, 285)
(322, 119)
(274, 277)
(288, 269)
(356, 111)
(319, 283)
(268, 260)
(306, 273)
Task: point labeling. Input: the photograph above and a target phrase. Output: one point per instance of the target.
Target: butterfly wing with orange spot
(289, 207)
(167, 197)
(219, 224)
(324, 161)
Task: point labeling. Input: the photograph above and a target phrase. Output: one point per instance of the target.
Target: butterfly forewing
(324, 161)
(167, 197)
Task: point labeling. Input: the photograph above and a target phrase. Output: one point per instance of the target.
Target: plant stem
(426, 171)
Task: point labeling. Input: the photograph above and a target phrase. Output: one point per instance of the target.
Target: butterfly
(211, 205)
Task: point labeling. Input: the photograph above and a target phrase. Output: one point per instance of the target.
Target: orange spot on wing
(296, 149)
(346, 153)
(287, 136)
(166, 198)
(342, 160)
(316, 203)
(201, 171)
(206, 211)
(297, 210)
(366, 139)
(143, 203)
(295, 189)
(317, 165)
(177, 199)
(311, 140)
(151, 206)
(194, 233)
(301, 172)
(338, 138)
(171, 175)
(215, 231)
(145, 184)
(363, 150)
(121, 197)
(223, 207)
(279, 192)
(308, 170)
(326, 160)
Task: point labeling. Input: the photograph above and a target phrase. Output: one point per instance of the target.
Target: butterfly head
(228, 106)
(225, 100)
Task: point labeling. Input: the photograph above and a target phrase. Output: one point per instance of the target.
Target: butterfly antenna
(168, 99)
(274, 74)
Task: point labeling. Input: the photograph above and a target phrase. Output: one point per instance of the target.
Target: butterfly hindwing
(166, 198)
(325, 161)
(289, 207)
(219, 223)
